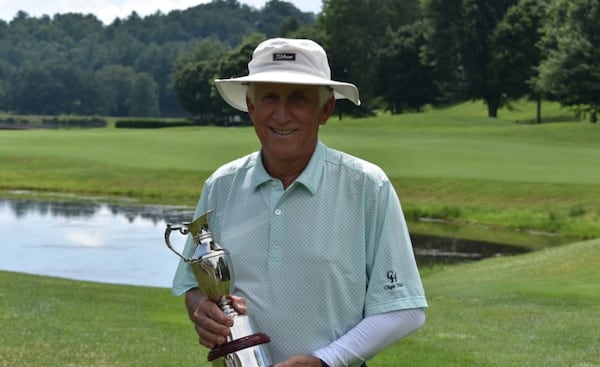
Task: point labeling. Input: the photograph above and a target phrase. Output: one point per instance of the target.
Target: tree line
(402, 54)
(74, 64)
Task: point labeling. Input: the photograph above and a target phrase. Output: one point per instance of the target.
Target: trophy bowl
(211, 266)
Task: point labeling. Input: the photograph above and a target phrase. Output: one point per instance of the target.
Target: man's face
(286, 118)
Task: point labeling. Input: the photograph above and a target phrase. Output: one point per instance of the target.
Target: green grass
(163, 165)
(56, 322)
(538, 309)
(450, 163)
(453, 164)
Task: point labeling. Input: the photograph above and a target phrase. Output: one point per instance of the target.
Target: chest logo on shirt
(393, 284)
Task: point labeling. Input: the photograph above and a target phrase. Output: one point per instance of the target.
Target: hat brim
(233, 90)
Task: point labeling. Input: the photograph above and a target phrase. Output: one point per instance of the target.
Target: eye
(298, 97)
(269, 96)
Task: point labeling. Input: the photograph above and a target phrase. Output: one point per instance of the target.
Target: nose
(282, 111)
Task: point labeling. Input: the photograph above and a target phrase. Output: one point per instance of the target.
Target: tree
(116, 83)
(192, 80)
(76, 26)
(516, 55)
(4, 84)
(158, 60)
(401, 79)
(288, 26)
(54, 89)
(570, 72)
(124, 50)
(234, 64)
(192, 77)
(143, 98)
(62, 64)
(460, 46)
(278, 18)
(356, 30)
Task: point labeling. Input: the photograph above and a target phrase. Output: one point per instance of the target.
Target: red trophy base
(238, 345)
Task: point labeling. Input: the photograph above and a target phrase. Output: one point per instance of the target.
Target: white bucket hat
(282, 60)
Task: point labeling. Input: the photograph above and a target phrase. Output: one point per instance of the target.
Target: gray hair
(325, 92)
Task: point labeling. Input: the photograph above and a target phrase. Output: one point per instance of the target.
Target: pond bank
(89, 239)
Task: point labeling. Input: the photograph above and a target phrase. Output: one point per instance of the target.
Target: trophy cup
(212, 269)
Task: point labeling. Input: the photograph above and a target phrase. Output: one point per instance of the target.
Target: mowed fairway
(538, 309)
(451, 164)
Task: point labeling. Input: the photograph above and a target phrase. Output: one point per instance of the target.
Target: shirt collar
(309, 178)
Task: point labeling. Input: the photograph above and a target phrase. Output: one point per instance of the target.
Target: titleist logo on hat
(284, 56)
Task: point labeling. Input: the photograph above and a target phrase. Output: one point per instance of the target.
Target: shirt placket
(276, 223)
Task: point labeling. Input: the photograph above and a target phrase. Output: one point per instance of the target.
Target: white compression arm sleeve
(370, 336)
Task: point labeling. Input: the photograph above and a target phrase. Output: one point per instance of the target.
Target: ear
(250, 107)
(326, 110)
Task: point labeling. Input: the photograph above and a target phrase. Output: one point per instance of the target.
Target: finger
(209, 309)
(211, 332)
(209, 339)
(211, 318)
(238, 303)
(213, 312)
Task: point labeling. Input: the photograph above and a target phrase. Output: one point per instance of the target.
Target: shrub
(151, 124)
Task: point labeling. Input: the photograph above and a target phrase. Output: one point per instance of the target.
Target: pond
(89, 241)
(118, 243)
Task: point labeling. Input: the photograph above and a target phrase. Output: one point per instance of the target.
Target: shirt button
(276, 245)
(277, 211)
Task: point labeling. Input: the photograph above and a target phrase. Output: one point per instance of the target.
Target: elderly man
(322, 257)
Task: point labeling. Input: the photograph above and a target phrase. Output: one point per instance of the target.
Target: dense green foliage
(149, 123)
(74, 64)
(403, 55)
(356, 30)
(530, 310)
(25, 123)
(570, 70)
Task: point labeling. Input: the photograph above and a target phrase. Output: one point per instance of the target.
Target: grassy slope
(539, 309)
(491, 172)
(165, 165)
(449, 163)
(54, 322)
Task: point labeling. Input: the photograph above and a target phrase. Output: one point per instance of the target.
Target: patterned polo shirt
(316, 258)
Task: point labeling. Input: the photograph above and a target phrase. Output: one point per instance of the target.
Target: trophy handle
(183, 229)
(195, 227)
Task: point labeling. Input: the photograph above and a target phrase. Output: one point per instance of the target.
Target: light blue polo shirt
(313, 260)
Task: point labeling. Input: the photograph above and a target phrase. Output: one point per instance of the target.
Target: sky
(108, 10)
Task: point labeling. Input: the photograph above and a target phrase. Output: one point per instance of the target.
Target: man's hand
(211, 324)
(300, 361)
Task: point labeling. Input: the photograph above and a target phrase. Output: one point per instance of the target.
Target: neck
(285, 172)
(286, 169)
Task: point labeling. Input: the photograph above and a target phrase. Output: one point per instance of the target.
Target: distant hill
(54, 65)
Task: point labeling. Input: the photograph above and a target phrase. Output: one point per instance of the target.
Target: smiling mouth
(282, 132)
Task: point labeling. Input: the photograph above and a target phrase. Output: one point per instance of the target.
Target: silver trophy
(211, 266)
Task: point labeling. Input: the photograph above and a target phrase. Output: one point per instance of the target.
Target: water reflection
(434, 250)
(89, 241)
(124, 244)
